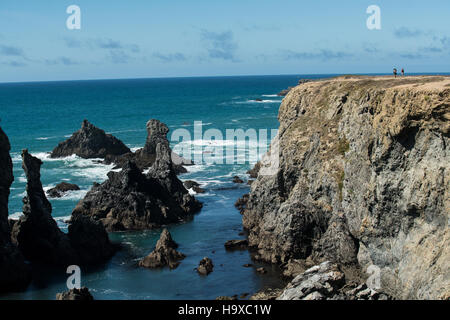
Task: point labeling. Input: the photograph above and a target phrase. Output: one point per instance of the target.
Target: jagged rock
(226, 298)
(146, 156)
(236, 244)
(38, 236)
(36, 233)
(60, 189)
(267, 294)
(130, 200)
(90, 142)
(236, 179)
(241, 203)
(81, 294)
(205, 266)
(15, 274)
(362, 179)
(164, 253)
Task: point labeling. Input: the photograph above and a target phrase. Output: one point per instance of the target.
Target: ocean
(37, 116)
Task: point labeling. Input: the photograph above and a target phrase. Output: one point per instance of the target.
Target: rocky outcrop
(36, 233)
(363, 179)
(146, 156)
(327, 282)
(189, 184)
(40, 239)
(241, 203)
(130, 200)
(90, 142)
(15, 274)
(81, 294)
(61, 189)
(165, 253)
(205, 266)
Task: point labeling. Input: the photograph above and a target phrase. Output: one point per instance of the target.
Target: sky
(179, 38)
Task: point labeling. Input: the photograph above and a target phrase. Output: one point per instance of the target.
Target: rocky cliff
(363, 180)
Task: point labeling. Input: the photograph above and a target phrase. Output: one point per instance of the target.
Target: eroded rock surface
(363, 179)
(61, 189)
(81, 294)
(205, 266)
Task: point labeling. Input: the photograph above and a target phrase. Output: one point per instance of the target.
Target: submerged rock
(38, 236)
(236, 179)
(90, 142)
(236, 244)
(15, 274)
(362, 180)
(205, 266)
(165, 253)
(81, 294)
(62, 188)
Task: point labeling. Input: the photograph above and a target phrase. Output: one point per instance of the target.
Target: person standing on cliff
(403, 72)
(395, 73)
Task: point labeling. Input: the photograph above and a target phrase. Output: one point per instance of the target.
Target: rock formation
(236, 244)
(130, 200)
(90, 142)
(146, 156)
(81, 294)
(363, 179)
(36, 233)
(15, 274)
(62, 188)
(205, 266)
(165, 253)
(40, 239)
(326, 282)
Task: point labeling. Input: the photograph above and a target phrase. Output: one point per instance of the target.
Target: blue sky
(153, 38)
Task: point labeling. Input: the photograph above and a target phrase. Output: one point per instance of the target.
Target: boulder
(62, 188)
(81, 294)
(165, 253)
(205, 266)
(90, 142)
(236, 179)
(236, 244)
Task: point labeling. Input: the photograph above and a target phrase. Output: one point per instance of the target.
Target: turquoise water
(39, 115)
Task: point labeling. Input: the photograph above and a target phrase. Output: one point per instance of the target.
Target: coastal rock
(81, 294)
(253, 173)
(189, 184)
(36, 233)
(317, 283)
(205, 266)
(38, 236)
(236, 244)
(145, 157)
(130, 200)
(62, 188)
(165, 253)
(236, 179)
(363, 179)
(90, 142)
(241, 203)
(15, 274)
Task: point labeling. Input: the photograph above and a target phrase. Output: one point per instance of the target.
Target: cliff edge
(363, 180)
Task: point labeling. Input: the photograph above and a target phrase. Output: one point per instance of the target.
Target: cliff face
(363, 180)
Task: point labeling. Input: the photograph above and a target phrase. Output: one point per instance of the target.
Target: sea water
(38, 116)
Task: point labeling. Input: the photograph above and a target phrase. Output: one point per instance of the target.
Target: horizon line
(223, 76)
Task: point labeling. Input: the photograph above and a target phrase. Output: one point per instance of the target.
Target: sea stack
(38, 236)
(165, 253)
(363, 181)
(15, 274)
(90, 142)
